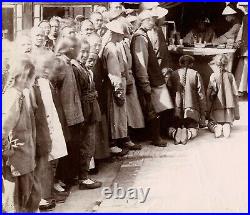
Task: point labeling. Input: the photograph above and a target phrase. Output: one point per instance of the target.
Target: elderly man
(153, 94)
(87, 28)
(44, 24)
(97, 19)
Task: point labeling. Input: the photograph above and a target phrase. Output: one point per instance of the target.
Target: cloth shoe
(45, 205)
(58, 187)
(217, 130)
(226, 130)
(177, 136)
(184, 136)
(89, 184)
(132, 146)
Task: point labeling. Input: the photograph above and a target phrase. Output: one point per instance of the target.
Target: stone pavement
(206, 175)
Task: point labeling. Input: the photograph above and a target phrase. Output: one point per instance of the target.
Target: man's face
(91, 61)
(148, 23)
(97, 20)
(69, 33)
(38, 37)
(84, 53)
(229, 18)
(87, 29)
(46, 27)
(54, 28)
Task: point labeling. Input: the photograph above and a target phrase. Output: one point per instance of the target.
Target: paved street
(207, 175)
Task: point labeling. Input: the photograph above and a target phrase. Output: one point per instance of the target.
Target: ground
(206, 175)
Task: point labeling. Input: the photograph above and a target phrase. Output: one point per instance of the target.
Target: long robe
(115, 80)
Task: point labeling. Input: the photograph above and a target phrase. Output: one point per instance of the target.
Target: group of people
(74, 97)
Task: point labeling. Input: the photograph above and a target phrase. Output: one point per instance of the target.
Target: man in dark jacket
(153, 94)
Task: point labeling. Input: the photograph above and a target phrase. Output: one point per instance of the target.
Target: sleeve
(231, 34)
(10, 117)
(113, 66)
(201, 93)
(235, 96)
(140, 57)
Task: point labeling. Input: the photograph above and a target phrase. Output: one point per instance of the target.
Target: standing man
(153, 94)
(44, 24)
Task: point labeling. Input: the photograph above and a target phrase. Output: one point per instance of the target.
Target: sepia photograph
(134, 107)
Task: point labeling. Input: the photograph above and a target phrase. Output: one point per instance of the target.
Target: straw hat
(145, 14)
(115, 26)
(229, 11)
(160, 12)
(148, 5)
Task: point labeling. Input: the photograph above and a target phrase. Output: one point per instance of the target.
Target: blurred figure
(201, 33)
(95, 42)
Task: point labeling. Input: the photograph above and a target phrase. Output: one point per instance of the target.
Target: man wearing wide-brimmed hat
(115, 87)
(234, 16)
(153, 94)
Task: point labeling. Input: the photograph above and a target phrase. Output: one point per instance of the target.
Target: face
(87, 29)
(69, 33)
(148, 23)
(97, 21)
(229, 18)
(54, 25)
(46, 27)
(38, 37)
(117, 37)
(91, 61)
(98, 46)
(84, 53)
(25, 45)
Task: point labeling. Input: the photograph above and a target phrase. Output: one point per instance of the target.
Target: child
(18, 139)
(190, 101)
(94, 64)
(222, 98)
(44, 98)
(67, 50)
(91, 113)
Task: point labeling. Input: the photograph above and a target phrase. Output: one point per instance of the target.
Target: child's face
(25, 46)
(98, 46)
(84, 53)
(91, 61)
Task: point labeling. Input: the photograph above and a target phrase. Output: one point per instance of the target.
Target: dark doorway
(49, 12)
(8, 23)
